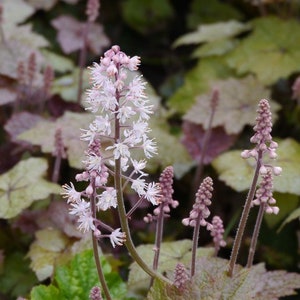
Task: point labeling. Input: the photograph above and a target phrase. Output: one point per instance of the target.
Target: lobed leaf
(212, 282)
(75, 280)
(24, 184)
(198, 81)
(171, 253)
(271, 51)
(43, 135)
(212, 32)
(237, 97)
(237, 172)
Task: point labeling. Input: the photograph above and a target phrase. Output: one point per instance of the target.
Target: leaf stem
(244, 217)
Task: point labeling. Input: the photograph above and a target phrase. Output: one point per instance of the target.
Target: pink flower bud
(277, 170)
(89, 190)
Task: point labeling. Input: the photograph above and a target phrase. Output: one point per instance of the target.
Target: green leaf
(203, 11)
(293, 216)
(22, 185)
(212, 32)
(287, 203)
(218, 48)
(171, 253)
(42, 292)
(43, 134)
(271, 51)
(237, 97)
(45, 250)
(237, 172)
(136, 14)
(67, 86)
(75, 280)
(168, 155)
(197, 82)
(58, 62)
(16, 278)
(212, 282)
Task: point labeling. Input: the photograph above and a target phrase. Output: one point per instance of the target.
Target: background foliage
(248, 50)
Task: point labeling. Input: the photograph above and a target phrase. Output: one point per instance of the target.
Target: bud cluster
(200, 208)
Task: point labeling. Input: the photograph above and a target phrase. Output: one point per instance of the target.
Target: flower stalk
(264, 146)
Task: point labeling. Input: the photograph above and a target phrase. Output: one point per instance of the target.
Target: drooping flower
(117, 237)
(70, 193)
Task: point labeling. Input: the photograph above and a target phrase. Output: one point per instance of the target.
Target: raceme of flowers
(122, 112)
(264, 146)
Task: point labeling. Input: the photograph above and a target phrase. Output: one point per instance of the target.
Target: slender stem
(244, 217)
(135, 206)
(122, 213)
(195, 246)
(56, 169)
(158, 236)
(95, 248)
(255, 234)
(125, 228)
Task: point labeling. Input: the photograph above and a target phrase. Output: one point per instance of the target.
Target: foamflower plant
(122, 113)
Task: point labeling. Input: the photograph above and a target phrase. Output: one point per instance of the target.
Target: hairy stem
(244, 217)
(195, 246)
(255, 234)
(95, 247)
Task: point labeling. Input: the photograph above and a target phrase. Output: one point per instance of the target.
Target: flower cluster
(217, 232)
(262, 138)
(200, 208)
(121, 123)
(264, 194)
(166, 200)
(264, 145)
(181, 277)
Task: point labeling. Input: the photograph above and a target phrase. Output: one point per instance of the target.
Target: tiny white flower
(139, 185)
(149, 147)
(139, 166)
(79, 208)
(117, 238)
(70, 193)
(153, 193)
(102, 125)
(86, 222)
(93, 162)
(120, 150)
(107, 199)
(124, 113)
